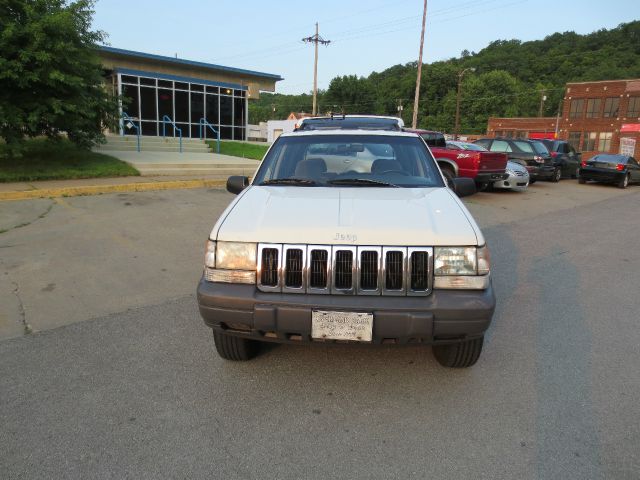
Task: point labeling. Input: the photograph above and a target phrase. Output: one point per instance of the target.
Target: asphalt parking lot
(107, 371)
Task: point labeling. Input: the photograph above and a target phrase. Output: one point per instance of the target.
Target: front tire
(235, 348)
(449, 174)
(459, 355)
(624, 183)
(557, 174)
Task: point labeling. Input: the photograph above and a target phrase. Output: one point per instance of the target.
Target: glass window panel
(212, 109)
(604, 142)
(150, 128)
(226, 107)
(226, 91)
(182, 86)
(225, 133)
(148, 107)
(182, 106)
(165, 103)
(165, 129)
(634, 107)
(240, 93)
(131, 130)
(574, 139)
(195, 87)
(195, 130)
(165, 83)
(130, 101)
(593, 107)
(238, 133)
(129, 79)
(589, 141)
(197, 107)
(577, 108)
(611, 106)
(215, 90)
(238, 112)
(148, 81)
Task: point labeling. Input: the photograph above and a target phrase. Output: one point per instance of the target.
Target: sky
(366, 35)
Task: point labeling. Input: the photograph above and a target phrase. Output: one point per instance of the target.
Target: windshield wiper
(289, 181)
(361, 182)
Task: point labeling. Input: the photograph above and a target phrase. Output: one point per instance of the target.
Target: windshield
(349, 161)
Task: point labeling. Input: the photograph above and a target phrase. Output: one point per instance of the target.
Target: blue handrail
(203, 123)
(166, 119)
(125, 116)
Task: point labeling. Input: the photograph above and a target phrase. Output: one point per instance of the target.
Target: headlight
(466, 268)
(210, 254)
(236, 256)
(455, 261)
(510, 172)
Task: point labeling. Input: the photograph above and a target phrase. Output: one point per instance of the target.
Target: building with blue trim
(156, 89)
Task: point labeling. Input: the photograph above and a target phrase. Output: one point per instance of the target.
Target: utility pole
(414, 123)
(400, 107)
(457, 123)
(543, 98)
(316, 39)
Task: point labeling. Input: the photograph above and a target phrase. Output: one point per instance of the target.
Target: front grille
(419, 271)
(318, 269)
(394, 270)
(341, 269)
(269, 275)
(293, 268)
(344, 270)
(520, 173)
(369, 270)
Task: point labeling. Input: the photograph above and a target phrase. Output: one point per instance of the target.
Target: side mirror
(237, 183)
(464, 186)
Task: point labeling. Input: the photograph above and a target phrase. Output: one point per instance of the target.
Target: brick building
(596, 117)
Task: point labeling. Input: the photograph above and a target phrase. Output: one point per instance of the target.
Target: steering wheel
(401, 172)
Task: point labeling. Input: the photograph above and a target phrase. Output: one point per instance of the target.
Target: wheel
(557, 174)
(459, 355)
(624, 183)
(582, 181)
(234, 348)
(449, 174)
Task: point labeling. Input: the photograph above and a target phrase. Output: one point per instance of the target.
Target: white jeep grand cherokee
(348, 235)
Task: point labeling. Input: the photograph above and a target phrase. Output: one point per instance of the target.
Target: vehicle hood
(348, 216)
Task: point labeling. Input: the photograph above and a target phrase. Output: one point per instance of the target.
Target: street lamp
(460, 75)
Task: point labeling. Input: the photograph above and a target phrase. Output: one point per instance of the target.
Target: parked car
(620, 170)
(482, 166)
(532, 154)
(309, 253)
(518, 179)
(565, 157)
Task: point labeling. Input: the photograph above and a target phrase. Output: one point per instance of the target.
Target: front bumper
(444, 316)
(513, 182)
(490, 177)
(544, 172)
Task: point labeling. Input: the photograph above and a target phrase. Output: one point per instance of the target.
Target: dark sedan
(620, 170)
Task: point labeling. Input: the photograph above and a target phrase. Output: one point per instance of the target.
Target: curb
(98, 189)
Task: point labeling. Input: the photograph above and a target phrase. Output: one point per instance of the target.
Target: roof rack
(350, 122)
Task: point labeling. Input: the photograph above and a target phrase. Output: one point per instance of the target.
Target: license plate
(341, 325)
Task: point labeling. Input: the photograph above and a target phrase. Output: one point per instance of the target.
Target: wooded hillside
(509, 80)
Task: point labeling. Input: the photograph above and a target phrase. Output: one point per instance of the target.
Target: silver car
(517, 180)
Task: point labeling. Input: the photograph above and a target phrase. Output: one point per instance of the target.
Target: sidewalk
(94, 186)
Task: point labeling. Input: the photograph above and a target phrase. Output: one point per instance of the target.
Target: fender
(450, 163)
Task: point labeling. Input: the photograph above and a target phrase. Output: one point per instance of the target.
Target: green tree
(50, 74)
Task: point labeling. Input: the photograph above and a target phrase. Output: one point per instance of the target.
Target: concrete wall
(257, 132)
(274, 126)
